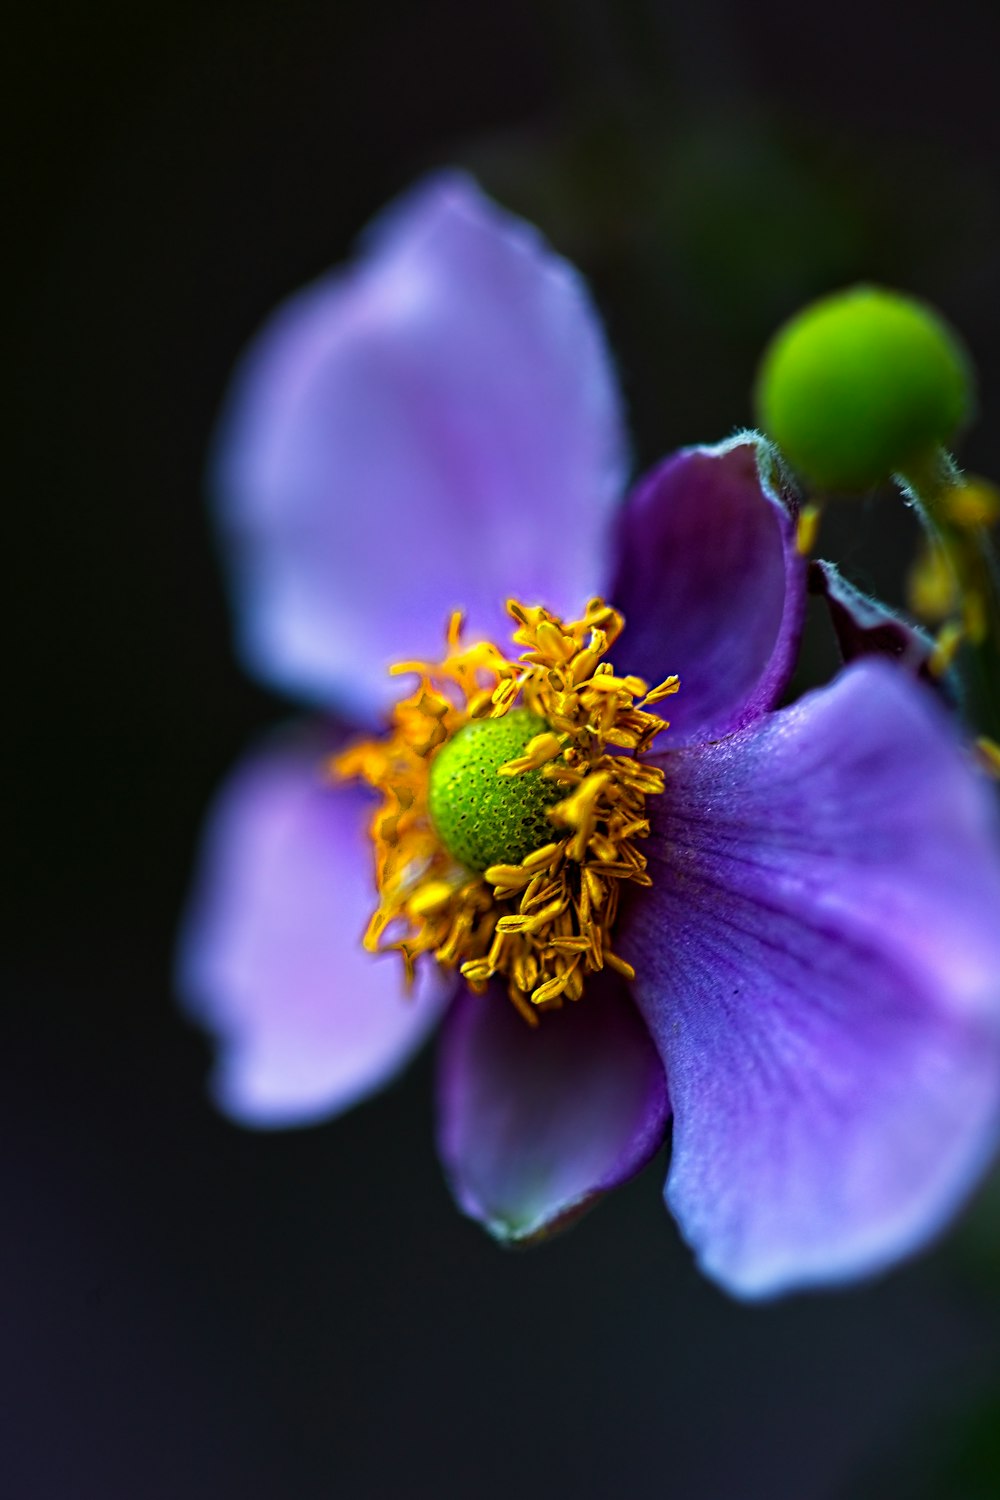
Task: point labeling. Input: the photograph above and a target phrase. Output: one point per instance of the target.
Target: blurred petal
(819, 964)
(535, 1124)
(271, 961)
(711, 585)
(438, 426)
(864, 626)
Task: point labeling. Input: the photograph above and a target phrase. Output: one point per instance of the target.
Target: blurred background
(189, 1310)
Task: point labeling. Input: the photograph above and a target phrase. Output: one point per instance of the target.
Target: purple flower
(818, 958)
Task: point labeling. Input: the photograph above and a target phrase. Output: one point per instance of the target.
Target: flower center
(484, 818)
(512, 802)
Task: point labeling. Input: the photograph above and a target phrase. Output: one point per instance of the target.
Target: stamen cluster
(544, 923)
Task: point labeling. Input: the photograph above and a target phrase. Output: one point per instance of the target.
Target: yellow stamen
(664, 689)
(537, 752)
(807, 529)
(973, 503)
(989, 755)
(946, 645)
(932, 587)
(542, 924)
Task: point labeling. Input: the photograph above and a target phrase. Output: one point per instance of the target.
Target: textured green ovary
(484, 819)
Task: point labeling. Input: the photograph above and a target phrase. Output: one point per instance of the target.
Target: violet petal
(711, 585)
(435, 427)
(864, 626)
(535, 1124)
(271, 962)
(819, 964)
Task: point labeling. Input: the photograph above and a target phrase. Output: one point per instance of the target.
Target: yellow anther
(578, 808)
(525, 972)
(503, 695)
(537, 752)
(973, 503)
(431, 741)
(604, 848)
(358, 761)
(807, 529)
(520, 612)
(627, 739)
(946, 645)
(552, 642)
(606, 682)
(430, 898)
(932, 587)
(512, 877)
(373, 932)
(664, 689)
(407, 668)
(454, 632)
(541, 859)
(521, 1002)
(547, 992)
(536, 921)
(648, 778)
(975, 617)
(989, 755)
(433, 705)
(498, 947)
(586, 661)
(515, 923)
(594, 887)
(540, 892)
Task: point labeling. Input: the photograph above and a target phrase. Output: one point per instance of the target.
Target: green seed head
(484, 819)
(861, 385)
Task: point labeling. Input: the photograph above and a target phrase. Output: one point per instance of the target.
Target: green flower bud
(483, 818)
(861, 385)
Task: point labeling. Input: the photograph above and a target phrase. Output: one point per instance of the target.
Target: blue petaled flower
(807, 897)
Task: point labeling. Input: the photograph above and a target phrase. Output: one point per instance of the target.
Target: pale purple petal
(819, 964)
(437, 426)
(535, 1124)
(711, 585)
(307, 1022)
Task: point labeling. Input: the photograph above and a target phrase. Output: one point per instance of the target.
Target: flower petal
(534, 1124)
(819, 964)
(711, 585)
(271, 961)
(864, 626)
(436, 427)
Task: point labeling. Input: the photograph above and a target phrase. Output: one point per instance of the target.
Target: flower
(816, 1001)
(513, 803)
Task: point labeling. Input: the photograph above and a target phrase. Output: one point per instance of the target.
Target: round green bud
(484, 819)
(861, 385)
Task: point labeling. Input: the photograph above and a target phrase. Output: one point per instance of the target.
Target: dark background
(190, 1310)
